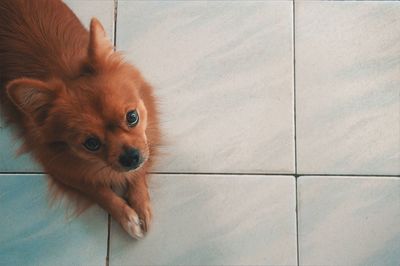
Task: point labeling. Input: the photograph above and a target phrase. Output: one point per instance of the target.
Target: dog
(88, 118)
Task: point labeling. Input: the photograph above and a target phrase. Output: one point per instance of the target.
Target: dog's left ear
(33, 97)
(100, 46)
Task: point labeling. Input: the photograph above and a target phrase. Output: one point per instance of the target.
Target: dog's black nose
(130, 159)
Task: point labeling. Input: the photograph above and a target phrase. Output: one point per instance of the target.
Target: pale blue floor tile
(214, 220)
(9, 161)
(223, 73)
(348, 87)
(349, 221)
(32, 233)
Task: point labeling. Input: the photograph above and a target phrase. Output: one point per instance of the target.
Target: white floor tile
(349, 221)
(348, 87)
(214, 220)
(223, 74)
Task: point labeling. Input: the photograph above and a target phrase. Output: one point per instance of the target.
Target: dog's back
(36, 43)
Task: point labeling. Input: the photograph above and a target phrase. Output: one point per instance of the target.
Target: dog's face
(99, 116)
(108, 121)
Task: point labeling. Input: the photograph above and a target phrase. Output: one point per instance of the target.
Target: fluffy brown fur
(60, 85)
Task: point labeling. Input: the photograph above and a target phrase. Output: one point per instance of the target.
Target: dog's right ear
(100, 46)
(32, 97)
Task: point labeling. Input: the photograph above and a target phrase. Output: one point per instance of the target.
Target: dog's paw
(143, 210)
(132, 223)
(145, 216)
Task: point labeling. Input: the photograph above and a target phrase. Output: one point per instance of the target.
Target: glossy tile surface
(223, 74)
(9, 161)
(32, 233)
(85, 10)
(348, 87)
(214, 220)
(349, 221)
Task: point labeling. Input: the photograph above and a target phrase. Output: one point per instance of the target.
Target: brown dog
(88, 117)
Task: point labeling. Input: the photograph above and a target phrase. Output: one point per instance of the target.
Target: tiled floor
(32, 233)
(347, 87)
(213, 55)
(251, 138)
(215, 220)
(349, 220)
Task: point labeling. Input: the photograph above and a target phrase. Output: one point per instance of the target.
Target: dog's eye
(92, 144)
(132, 117)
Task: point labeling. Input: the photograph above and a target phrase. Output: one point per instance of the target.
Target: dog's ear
(33, 97)
(99, 44)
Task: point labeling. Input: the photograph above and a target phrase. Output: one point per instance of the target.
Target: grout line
(273, 174)
(216, 173)
(115, 23)
(295, 129)
(263, 0)
(294, 85)
(349, 175)
(232, 173)
(297, 222)
(108, 240)
(109, 216)
(378, 1)
(21, 173)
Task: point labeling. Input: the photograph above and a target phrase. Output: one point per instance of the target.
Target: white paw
(133, 226)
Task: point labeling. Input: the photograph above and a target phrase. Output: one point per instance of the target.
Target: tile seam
(108, 215)
(294, 84)
(295, 129)
(234, 173)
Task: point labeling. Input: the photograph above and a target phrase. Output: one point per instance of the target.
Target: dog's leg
(139, 199)
(117, 207)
